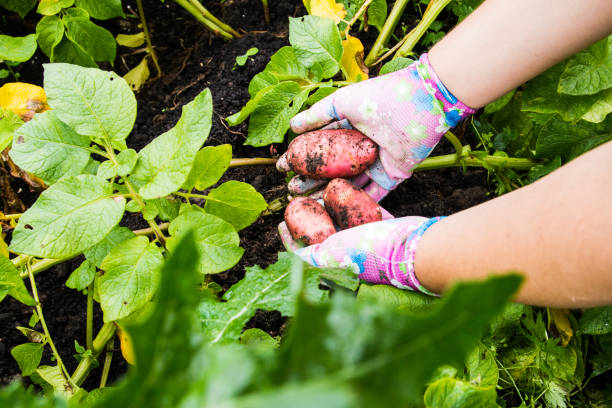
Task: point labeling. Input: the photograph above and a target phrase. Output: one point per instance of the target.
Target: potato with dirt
(350, 206)
(329, 153)
(307, 221)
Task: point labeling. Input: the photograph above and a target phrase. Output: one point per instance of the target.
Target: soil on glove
(192, 60)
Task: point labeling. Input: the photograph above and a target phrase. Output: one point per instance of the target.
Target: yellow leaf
(563, 325)
(138, 75)
(127, 349)
(3, 246)
(131, 40)
(352, 60)
(23, 99)
(327, 9)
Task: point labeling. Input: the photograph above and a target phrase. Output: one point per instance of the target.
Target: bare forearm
(557, 232)
(504, 43)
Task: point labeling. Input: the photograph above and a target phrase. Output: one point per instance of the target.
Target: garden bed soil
(192, 60)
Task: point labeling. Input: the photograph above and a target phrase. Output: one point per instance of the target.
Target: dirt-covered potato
(349, 205)
(307, 221)
(327, 154)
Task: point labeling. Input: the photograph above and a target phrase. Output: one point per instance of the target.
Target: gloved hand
(380, 252)
(405, 112)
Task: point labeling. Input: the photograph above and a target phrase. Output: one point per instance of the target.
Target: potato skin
(331, 153)
(307, 221)
(349, 205)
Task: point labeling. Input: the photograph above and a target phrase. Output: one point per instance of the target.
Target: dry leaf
(560, 319)
(138, 75)
(327, 9)
(131, 40)
(352, 60)
(127, 349)
(23, 99)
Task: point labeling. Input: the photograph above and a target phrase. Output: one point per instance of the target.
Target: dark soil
(192, 60)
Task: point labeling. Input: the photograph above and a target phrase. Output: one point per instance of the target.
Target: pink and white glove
(405, 112)
(381, 252)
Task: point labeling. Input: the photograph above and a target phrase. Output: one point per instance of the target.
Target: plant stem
(191, 195)
(468, 158)
(256, 161)
(387, 30)
(215, 20)
(361, 10)
(266, 9)
(147, 35)
(43, 265)
(39, 310)
(450, 136)
(105, 334)
(108, 359)
(89, 316)
(148, 231)
(10, 216)
(206, 22)
(412, 38)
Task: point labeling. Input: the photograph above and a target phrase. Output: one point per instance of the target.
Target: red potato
(349, 205)
(331, 153)
(307, 221)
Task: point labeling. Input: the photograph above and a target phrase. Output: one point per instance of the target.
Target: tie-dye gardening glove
(381, 252)
(405, 113)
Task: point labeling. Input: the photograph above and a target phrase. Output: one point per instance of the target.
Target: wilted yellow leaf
(127, 349)
(352, 60)
(23, 99)
(138, 75)
(131, 40)
(563, 325)
(3, 246)
(327, 9)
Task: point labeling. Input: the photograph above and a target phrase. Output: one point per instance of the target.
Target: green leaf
(48, 148)
(269, 289)
(126, 161)
(258, 338)
(70, 52)
(101, 9)
(600, 109)
(21, 7)
(82, 276)
(377, 13)
(236, 202)
(240, 116)
(481, 366)
(270, 119)
(11, 283)
(541, 96)
(285, 66)
(454, 393)
(209, 165)
(94, 103)
(597, 320)
(392, 296)
(317, 44)
(4, 73)
(95, 40)
(52, 379)
(166, 209)
(395, 65)
(568, 140)
(260, 81)
(165, 163)
(28, 356)
(500, 102)
(98, 252)
(320, 94)
(589, 71)
(131, 40)
(51, 7)
(49, 31)
(138, 75)
(9, 123)
(242, 59)
(18, 49)
(131, 277)
(71, 216)
(216, 240)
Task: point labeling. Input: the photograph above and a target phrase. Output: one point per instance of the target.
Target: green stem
(450, 136)
(43, 265)
(89, 317)
(214, 19)
(469, 159)
(43, 323)
(149, 231)
(201, 196)
(387, 30)
(108, 359)
(256, 161)
(412, 38)
(356, 17)
(206, 22)
(105, 334)
(147, 35)
(266, 9)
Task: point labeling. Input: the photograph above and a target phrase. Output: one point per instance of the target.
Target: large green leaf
(28, 356)
(95, 40)
(95, 103)
(165, 163)
(402, 299)
(284, 65)
(68, 51)
(51, 7)
(567, 140)
(18, 49)
(82, 276)
(270, 118)
(71, 216)
(21, 7)
(317, 44)
(101, 9)
(98, 252)
(597, 320)
(50, 31)
(269, 289)
(130, 279)
(599, 110)
(589, 71)
(454, 393)
(48, 148)
(216, 240)
(236, 202)
(209, 165)
(11, 283)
